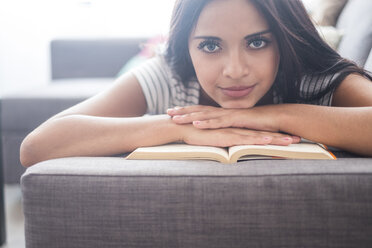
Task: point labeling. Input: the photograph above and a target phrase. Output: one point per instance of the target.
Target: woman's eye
(209, 47)
(257, 44)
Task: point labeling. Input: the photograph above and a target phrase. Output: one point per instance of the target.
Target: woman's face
(234, 54)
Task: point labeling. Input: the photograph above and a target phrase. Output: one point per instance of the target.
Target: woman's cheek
(206, 73)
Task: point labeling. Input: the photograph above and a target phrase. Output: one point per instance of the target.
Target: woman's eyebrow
(207, 38)
(257, 34)
(219, 39)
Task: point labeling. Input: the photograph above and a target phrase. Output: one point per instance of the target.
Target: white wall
(27, 26)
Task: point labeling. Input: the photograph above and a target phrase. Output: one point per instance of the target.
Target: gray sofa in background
(80, 68)
(112, 202)
(355, 22)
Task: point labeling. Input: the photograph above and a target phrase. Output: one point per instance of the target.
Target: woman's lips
(237, 91)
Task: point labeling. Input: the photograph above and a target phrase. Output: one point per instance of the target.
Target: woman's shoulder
(154, 65)
(158, 67)
(162, 88)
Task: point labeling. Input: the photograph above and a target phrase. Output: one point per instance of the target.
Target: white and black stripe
(161, 89)
(312, 85)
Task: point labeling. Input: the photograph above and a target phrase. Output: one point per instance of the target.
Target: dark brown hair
(302, 50)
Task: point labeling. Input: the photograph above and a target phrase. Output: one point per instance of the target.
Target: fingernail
(170, 110)
(286, 139)
(196, 122)
(177, 117)
(267, 138)
(177, 108)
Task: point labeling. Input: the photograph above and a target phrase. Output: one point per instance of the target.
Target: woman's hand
(224, 137)
(207, 117)
(246, 120)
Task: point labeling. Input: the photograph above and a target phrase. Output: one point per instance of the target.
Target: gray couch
(112, 202)
(79, 69)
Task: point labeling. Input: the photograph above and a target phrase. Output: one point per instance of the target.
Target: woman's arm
(87, 125)
(113, 123)
(347, 128)
(83, 135)
(347, 125)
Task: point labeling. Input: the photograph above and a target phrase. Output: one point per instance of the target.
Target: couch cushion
(12, 167)
(27, 108)
(327, 12)
(91, 58)
(355, 22)
(331, 35)
(112, 202)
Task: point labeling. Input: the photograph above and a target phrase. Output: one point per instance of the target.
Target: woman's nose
(235, 67)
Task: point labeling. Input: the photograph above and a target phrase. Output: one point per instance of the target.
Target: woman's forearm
(80, 135)
(345, 128)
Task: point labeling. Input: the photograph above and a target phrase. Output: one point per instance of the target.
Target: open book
(233, 154)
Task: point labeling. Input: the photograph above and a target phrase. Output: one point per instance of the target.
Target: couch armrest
(113, 202)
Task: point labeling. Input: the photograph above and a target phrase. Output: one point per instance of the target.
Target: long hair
(302, 50)
(184, 17)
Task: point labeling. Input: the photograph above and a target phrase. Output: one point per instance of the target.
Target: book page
(295, 151)
(180, 151)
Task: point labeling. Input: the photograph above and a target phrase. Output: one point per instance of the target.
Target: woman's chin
(236, 104)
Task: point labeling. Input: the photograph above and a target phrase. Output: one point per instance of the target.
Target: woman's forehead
(229, 16)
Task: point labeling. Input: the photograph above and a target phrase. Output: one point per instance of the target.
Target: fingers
(257, 139)
(227, 137)
(285, 140)
(296, 139)
(281, 141)
(237, 136)
(189, 109)
(190, 114)
(213, 123)
(206, 117)
(189, 118)
(273, 137)
(212, 118)
(252, 140)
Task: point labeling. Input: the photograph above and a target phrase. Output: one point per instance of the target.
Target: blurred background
(27, 27)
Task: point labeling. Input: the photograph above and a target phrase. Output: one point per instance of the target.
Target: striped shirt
(162, 90)
(312, 85)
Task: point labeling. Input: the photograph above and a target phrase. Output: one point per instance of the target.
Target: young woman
(234, 72)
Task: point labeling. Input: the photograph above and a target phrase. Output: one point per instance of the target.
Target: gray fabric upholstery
(91, 58)
(356, 23)
(112, 202)
(38, 104)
